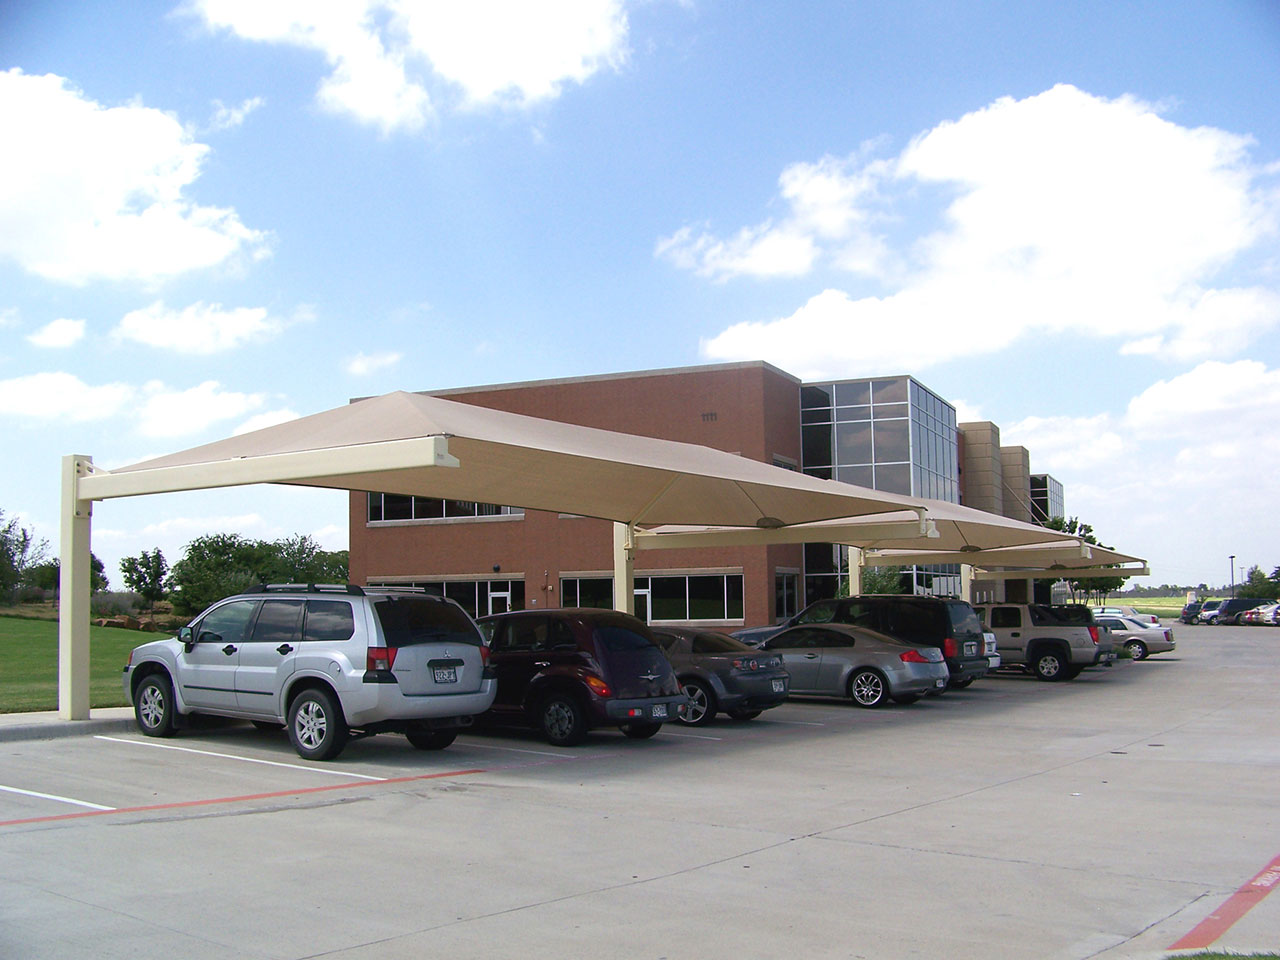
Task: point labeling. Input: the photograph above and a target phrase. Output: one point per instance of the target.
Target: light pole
(1232, 560)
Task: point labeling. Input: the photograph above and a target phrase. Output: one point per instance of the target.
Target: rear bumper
(754, 692)
(645, 709)
(376, 702)
(970, 669)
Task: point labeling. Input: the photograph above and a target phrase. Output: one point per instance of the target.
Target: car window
(800, 638)
(963, 618)
(717, 643)
(670, 642)
(525, 634)
(1005, 617)
(832, 638)
(817, 613)
(617, 638)
(278, 621)
(859, 613)
(329, 621)
(914, 622)
(411, 620)
(227, 624)
(1113, 623)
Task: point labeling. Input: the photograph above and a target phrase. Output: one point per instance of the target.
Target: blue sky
(1061, 217)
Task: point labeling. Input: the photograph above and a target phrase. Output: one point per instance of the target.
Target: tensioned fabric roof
(492, 456)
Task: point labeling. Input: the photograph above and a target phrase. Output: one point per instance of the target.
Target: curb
(54, 729)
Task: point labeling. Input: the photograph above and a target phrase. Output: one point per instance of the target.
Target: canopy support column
(73, 592)
(854, 564)
(966, 582)
(624, 567)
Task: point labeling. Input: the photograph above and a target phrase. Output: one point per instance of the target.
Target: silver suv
(327, 662)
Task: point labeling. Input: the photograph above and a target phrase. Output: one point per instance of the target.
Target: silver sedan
(833, 659)
(1140, 639)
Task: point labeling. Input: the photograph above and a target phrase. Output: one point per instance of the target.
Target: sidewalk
(46, 725)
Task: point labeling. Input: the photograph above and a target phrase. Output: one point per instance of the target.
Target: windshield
(409, 620)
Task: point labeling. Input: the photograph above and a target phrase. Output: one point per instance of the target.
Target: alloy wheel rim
(697, 708)
(151, 706)
(867, 688)
(311, 724)
(559, 719)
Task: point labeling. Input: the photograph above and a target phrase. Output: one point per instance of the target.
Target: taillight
(380, 658)
(914, 656)
(484, 655)
(741, 664)
(598, 686)
(1093, 633)
(950, 648)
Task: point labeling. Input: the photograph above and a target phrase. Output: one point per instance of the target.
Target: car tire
(906, 698)
(1050, 664)
(744, 714)
(424, 738)
(640, 730)
(562, 721)
(702, 703)
(868, 688)
(317, 728)
(153, 705)
(1137, 649)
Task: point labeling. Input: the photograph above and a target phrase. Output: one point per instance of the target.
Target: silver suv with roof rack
(328, 662)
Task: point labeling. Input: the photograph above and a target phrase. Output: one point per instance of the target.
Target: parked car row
(1266, 615)
(330, 663)
(1223, 612)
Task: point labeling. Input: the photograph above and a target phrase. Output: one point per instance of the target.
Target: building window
(596, 592)
(700, 597)
(395, 506)
(785, 599)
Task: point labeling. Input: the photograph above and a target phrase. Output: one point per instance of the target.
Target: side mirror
(187, 637)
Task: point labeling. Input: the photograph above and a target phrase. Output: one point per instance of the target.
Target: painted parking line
(796, 723)
(54, 796)
(494, 746)
(213, 801)
(1236, 906)
(330, 771)
(688, 736)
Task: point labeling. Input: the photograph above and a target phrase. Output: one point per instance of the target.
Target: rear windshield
(964, 620)
(1069, 614)
(617, 638)
(409, 620)
(717, 643)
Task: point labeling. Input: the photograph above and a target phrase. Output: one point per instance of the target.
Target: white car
(1139, 638)
(1130, 612)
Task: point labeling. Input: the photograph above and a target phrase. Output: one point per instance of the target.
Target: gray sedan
(1140, 639)
(719, 673)
(833, 659)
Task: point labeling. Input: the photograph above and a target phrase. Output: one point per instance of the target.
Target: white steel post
(966, 582)
(854, 563)
(624, 568)
(73, 592)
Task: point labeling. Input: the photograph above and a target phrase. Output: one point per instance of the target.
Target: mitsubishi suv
(327, 662)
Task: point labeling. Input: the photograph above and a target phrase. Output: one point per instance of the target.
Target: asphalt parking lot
(1112, 816)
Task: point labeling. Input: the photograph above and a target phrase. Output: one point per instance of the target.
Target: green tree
(299, 559)
(215, 566)
(1257, 585)
(145, 575)
(1083, 588)
(19, 552)
(876, 580)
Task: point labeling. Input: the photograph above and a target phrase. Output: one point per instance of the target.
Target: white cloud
(62, 396)
(173, 413)
(98, 192)
(1064, 213)
(1225, 400)
(228, 118)
(383, 54)
(363, 364)
(58, 334)
(263, 420)
(197, 329)
(1066, 442)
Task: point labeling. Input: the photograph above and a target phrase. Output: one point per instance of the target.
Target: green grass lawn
(29, 664)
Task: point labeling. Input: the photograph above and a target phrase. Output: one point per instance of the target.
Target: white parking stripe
(51, 796)
(331, 771)
(688, 736)
(797, 723)
(536, 753)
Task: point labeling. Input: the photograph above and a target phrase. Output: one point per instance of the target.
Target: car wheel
(153, 705)
(1137, 649)
(562, 720)
(905, 698)
(744, 714)
(316, 725)
(640, 731)
(868, 688)
(424, 738)
(702, 704)
(1050, 665)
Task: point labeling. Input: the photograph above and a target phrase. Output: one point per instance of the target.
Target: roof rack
(347, 588)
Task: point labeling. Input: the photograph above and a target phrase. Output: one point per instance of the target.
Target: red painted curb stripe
(252, 796)
(1235, 907)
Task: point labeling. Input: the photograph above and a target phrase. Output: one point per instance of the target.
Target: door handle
(542, 663)
(283, 649)
(811, 656)
(229, 649)
(1015, 634)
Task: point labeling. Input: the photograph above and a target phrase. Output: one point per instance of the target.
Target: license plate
(971, 649)
(659, 711)
(779, 687)
(446, 674)
(939, 684)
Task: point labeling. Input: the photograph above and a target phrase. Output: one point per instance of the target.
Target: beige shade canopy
(954, 528)
(493, 456)
(1056, 557)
